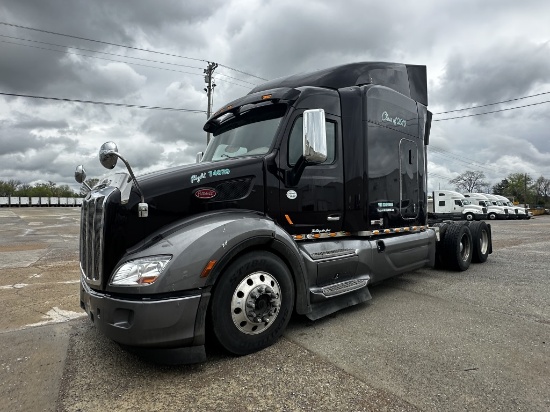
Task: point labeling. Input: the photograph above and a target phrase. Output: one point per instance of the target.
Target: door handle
(333, 218)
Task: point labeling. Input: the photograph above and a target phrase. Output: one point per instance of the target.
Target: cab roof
(406, 79)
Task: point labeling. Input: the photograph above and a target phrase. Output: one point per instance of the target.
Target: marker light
(208, 268)
(140, 272)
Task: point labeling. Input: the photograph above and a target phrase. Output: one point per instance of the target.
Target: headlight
(140, 272)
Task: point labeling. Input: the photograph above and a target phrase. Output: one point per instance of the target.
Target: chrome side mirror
(314, 136)
(199, 157)
(80, 174)
(108, 155)
(80, 177)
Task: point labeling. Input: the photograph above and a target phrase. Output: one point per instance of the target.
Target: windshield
(249, 133)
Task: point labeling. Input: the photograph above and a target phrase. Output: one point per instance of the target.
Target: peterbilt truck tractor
(312, 188)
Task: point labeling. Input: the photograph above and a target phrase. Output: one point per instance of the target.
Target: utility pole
(209, 90)
(525, 189)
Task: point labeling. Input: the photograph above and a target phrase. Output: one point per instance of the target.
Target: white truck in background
(507, 209)
(493, 211)
(520, 212)
(448, 204)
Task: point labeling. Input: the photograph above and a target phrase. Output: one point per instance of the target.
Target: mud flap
(329, 306)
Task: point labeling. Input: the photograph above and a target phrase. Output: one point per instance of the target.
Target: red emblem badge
(205, 193)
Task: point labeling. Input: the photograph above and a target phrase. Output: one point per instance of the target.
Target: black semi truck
(312, 188)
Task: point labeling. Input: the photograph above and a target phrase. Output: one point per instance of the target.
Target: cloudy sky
(477, 53)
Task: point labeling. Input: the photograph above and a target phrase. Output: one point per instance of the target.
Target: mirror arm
(131, 174)
(293, 175)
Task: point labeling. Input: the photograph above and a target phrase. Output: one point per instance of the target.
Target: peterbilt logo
(205, 193)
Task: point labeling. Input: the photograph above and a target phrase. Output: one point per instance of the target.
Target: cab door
(314, 202)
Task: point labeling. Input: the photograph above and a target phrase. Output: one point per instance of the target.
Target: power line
(119, 61)
(123, 45)
(135, 106)
(88, 50)
(492, 104)
(457, 157)
(239, 71)
(493, 111)
(439, 176)
(109, 54)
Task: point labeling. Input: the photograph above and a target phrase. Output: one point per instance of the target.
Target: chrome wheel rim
(465, 248)
(484, 242)
(255, 303)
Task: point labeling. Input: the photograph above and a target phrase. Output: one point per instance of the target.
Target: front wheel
(492, 216)
(469, 217)
(252, 303)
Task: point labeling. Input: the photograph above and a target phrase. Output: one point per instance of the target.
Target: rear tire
(481, 239)
(252, 303)
(457, 247)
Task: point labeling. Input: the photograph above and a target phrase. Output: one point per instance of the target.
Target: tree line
(15, 188)
(521, 187)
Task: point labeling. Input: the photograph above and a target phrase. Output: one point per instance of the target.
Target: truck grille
(92, 233)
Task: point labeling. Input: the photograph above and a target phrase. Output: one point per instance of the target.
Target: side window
(295, 142)
(441, 203)
(457, 202)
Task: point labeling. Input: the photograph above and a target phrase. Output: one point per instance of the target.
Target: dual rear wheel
(462, 243)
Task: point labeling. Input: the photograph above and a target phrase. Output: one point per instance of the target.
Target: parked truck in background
(312, 188)
(519, 211)
(496, 202)
(448, 204)
(493, 211)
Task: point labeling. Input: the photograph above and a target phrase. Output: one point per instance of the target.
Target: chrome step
(340, 288)
(332, 254)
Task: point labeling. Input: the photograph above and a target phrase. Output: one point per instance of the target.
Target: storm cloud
(477, 54)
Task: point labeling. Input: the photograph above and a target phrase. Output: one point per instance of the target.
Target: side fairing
(395, 162)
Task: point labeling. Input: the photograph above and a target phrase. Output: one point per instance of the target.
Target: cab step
(332, 298)
(339, 288)
(329, 254)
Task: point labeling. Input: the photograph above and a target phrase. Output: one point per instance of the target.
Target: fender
(214, 236)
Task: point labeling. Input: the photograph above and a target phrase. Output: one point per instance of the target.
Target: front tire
(470, 217)
(492, 216)
(252, 303)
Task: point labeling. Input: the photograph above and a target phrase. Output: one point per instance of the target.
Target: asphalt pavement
(428, 340)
